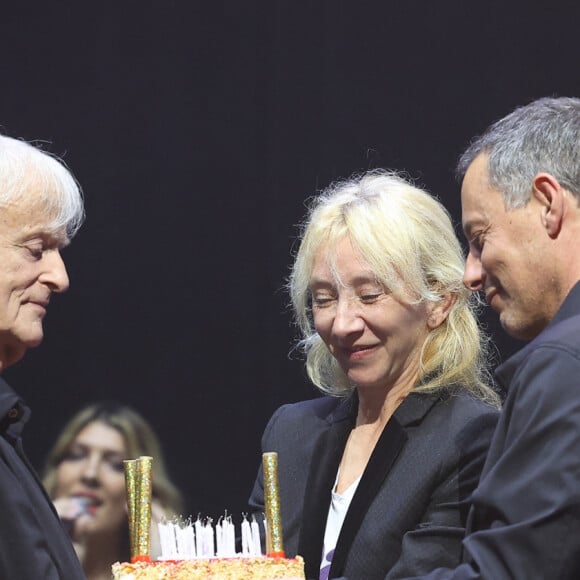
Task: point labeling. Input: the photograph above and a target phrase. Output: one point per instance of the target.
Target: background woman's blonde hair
(407, 239)
(139, 438)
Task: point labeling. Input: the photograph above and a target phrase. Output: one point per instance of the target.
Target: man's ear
(440, 311)
(550, 194)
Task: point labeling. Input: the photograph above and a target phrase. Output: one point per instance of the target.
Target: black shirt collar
(13, 411)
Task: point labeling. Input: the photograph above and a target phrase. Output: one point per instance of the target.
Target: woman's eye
(370, 298)
(73, 455)
(118, 466)
(321, 302)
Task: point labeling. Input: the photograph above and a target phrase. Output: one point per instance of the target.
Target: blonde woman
(84, 477)
(375, 475)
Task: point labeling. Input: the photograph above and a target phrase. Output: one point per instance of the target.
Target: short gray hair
(541, 136)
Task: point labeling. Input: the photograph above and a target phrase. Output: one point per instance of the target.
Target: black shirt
(33, 543)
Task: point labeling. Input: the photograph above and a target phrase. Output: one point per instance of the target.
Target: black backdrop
(198, 130)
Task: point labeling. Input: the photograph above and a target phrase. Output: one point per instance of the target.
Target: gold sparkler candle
(143, 520)
(274, 540)
(131, 487)
(139, 488)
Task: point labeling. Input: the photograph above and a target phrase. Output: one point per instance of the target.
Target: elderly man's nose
(55, 275)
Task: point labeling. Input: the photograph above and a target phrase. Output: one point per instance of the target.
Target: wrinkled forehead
(38, 204)
(33, 215)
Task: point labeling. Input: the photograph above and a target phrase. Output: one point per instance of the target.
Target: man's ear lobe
(550, 194)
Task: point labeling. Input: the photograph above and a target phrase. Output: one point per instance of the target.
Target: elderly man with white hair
(41, 208)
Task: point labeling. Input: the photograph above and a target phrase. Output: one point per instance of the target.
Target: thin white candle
(198, 538)
(208, 544)
(256, 544)
(219, 539)
(185, 542)
(246, 537)
(164, 539)
(230, 538)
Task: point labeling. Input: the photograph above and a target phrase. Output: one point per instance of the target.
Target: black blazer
(408, 513)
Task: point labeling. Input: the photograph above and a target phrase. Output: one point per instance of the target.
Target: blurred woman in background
(84, 477)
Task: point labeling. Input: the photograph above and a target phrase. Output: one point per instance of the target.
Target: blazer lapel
(322, 475)
(324, 467)
(382, 459)
(392, 440)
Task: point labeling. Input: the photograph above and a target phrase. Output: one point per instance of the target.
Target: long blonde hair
(407, 239)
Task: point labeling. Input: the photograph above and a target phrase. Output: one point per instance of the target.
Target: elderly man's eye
(36, 252)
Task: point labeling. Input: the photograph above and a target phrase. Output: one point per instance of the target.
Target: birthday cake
(199, 550)
(256, 568)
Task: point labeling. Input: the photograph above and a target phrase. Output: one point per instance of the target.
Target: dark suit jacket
(33, 543)
(408, 513)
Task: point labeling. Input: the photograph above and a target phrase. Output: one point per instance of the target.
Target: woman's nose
(347, 318)
(90, 473)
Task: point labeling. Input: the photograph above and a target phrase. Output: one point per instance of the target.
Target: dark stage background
(198, 130)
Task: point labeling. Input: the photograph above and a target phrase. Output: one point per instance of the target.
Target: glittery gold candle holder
(274, 540)
(130, 466)
(143, 520)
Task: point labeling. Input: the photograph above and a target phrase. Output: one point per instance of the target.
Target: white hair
(25, 168)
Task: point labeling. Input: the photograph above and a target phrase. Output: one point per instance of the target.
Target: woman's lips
(92, 509)
(358, 352)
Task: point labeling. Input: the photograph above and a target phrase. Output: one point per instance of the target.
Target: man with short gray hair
(520, 202)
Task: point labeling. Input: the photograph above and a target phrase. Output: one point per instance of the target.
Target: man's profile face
(31, 269)
(507, 257)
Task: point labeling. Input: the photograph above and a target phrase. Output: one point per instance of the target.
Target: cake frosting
(255, 568)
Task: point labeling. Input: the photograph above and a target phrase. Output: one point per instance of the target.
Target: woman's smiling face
(376, 338)
(92, 471)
